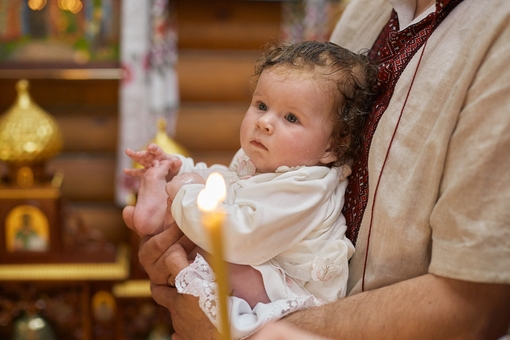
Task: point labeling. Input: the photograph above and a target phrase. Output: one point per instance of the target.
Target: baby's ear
(329, 156)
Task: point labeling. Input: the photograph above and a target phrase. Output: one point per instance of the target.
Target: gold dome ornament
(28, 134)
(165, 142)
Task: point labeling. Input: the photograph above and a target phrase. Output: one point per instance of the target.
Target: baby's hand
(149, 214)
(152, 153)
(147, 157)
(179, 181)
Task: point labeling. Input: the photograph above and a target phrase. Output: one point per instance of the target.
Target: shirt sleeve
(471, 220)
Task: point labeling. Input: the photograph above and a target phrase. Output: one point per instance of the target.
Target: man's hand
(188, 320)
(163, 256)
(157, 253)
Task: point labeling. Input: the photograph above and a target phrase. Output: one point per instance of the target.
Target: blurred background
(101, 76)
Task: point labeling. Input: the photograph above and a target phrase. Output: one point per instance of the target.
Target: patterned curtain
(149, 88)
(309, 19)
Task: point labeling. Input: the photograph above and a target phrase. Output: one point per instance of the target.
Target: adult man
(432, 254)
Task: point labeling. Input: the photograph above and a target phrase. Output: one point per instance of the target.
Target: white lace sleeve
(198, 280)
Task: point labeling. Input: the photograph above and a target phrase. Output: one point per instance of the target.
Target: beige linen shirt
(443, 203)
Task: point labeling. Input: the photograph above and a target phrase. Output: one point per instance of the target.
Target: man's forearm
(426, 307)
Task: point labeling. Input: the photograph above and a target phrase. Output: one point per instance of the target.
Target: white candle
(212, 218)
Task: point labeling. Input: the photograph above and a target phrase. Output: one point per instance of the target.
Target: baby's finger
(134, 172)
(129, 152)
(155, 150)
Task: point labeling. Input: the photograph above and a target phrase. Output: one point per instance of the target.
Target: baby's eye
(262, 107)
(291, 118)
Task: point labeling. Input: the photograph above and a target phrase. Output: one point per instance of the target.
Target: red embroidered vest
(392, 51)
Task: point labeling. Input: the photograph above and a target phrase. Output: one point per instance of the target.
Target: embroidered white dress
(287, 224)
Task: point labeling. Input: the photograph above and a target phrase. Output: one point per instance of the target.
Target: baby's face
(288, 122)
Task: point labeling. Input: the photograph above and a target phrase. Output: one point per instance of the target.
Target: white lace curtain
(149, 88)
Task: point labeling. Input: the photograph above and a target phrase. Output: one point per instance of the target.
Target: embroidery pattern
(324, 271)
(392, 50)
(246, 169)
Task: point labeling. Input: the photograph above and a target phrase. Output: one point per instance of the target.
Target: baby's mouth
(258, 144)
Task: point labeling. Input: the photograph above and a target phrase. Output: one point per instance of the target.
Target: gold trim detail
(132, 288)
(68, 74)
(118, 270)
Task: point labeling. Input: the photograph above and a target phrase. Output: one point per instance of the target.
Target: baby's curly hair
(351, 77)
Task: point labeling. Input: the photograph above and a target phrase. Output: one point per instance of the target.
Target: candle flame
(214, 192)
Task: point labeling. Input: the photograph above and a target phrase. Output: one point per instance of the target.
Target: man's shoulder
(360, 24)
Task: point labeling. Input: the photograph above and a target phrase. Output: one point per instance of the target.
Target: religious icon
(27, 230)
(103, 306)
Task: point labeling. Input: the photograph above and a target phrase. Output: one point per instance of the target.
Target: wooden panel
(221, 24)
(3, 169)
(87, 128)
(216, 76)
(200, 127)
(107, 218)
(87, 177)
(210, 126)
(48, 92)
(203, 75)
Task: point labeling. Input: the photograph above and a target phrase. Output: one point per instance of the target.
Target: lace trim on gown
(198, 279)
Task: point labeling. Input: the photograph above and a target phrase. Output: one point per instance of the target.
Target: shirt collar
(405, 11)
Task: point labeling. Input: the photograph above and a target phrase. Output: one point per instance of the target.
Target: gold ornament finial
(28, 134)
(165, 142)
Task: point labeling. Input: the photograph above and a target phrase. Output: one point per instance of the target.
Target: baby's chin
(263, 169)
(269, 169)
(264, 166)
